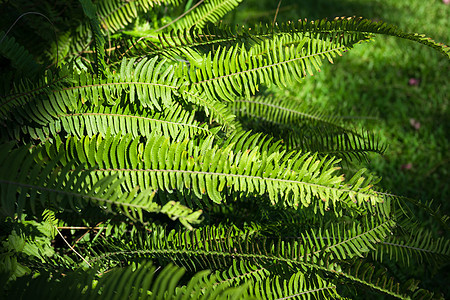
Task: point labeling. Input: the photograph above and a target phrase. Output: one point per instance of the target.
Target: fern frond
(297, 286)
(367, 275)
(209, 11)
(246, 140)
(143, 281)
(20, 58)
(343, 28)
(234, 72)
(282, 111)
(116, 15)
(176, 42)
(419, 245)
(218, 247)
(345, 144)
(26, 91)
(90, 11)
(61, 187)
(175, 122)
(308, 131)
(151, 84)
(291, 179)
(344, 31)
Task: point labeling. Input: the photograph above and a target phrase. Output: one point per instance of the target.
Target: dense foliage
(142, 154)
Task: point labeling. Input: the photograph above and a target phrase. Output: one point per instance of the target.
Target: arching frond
(151, 84)
(292, 179)
(176, 42)
(142, 141)
(232, 72)
(420, 246)
(19, 57)
(308, 131)
(175, 122)
(378, 279)
(216, 248)
(32, 183)
(207, 11)
(144, 281)
(343, 28)
(116, 15)
(282, 111)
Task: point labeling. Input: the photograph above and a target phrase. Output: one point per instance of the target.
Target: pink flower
(407, 166)
(446, 2)
(414, 81)
(414, 123)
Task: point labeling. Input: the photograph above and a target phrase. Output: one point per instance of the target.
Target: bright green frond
(206, 11)
(234, 72)
(293, 180)
(53, 186)
(152, 85)
(114, 15)
(176, 122)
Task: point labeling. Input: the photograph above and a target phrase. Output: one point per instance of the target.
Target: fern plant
(143, 155)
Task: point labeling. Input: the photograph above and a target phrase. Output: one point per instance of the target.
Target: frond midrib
(136, 117)
(204, 16)
(360, 235)
(234, 175)
(69, 193)
(270, 66)
(308, 292)
(412, 248)
(116, 83)
(248, 256)
(303, 114)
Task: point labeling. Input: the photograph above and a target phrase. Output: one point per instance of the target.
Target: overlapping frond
(306, 130)
(420, 246)
(208, 11)
(249, 254)
(176, 43)
(20, 58)
(378, 279)
(143, 132)
(116, 15)
(209, 173)
(49, 185)
(342, 27)
(175, 122)
(265, 284)
(26, 91)
(151, 84)
(140, 281)
(232, 72)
